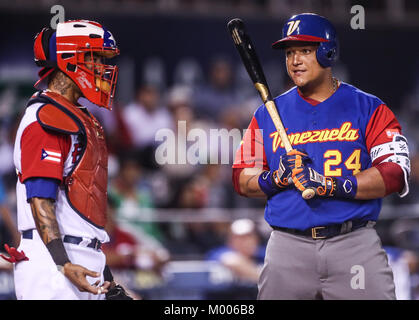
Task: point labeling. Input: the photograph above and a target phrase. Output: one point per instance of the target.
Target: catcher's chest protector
(86, 184)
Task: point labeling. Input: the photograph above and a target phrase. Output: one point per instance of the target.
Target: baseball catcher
(60, 156)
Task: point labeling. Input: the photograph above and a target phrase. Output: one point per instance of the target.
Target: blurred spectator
(143, 118)
(124, 251)
(217, 94)
(408, 116)
(401, 272)
(180, 173)
(188, 72)
(179, 103)
(243, 253)
(6, 151)
(412, 260)
(8, 230)
(118, 137)
(208, 189)
(154, 73)
(405, 233)
(198, 192)
(178, 97)
(405, 266)
(133, 201)
(9, 122)
(8, 235)
(404, 258)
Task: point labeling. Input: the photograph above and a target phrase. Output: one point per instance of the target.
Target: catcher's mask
(74, 49)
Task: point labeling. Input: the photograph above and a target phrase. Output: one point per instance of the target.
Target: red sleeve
(43, 152)
(251, 153)
(380, 129)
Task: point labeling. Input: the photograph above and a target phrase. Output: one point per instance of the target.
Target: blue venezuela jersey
(333, 133)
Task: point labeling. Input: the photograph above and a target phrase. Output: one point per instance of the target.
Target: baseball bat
(251, 62)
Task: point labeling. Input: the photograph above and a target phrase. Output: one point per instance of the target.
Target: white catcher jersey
(38, 153)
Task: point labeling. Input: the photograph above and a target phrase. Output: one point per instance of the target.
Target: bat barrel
(235, 23)
(251, 62)
(247, 52)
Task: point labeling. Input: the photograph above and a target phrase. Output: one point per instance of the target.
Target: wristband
(57, 252)
(346, 187)
(267, 185)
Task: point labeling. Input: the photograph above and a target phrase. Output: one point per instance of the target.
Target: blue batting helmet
(311, 27)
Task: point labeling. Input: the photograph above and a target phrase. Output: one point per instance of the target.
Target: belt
(93, 243)
(325, 232)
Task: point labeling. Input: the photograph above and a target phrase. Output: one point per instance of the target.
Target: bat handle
(308, 193)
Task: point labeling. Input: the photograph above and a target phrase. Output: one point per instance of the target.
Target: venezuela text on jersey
(344, 133)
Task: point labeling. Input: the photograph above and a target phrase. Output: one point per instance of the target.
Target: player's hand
(305, 177)
(77, 275)
(15, 255)
(293, 159)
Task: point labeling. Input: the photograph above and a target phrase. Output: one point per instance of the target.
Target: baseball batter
(348, 148)
(61, 159)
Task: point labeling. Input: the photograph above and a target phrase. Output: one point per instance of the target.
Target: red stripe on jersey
(35, 140)
(381, 127)
(313, 102)
(251, 153)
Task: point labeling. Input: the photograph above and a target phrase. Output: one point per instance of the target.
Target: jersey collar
(314, 102)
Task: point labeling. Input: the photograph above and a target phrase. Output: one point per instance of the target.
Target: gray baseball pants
(348, 266)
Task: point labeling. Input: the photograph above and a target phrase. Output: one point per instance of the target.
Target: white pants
(39, 279)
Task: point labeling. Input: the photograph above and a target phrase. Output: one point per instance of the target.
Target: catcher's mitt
(117, 292)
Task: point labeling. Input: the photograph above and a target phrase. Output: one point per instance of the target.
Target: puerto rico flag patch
(51, 155)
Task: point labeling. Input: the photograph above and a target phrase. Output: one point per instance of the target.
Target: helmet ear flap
(327, 53)
(43, 48)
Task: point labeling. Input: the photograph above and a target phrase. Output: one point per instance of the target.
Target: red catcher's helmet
(67, 49)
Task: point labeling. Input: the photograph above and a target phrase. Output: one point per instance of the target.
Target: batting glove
(305, 177)
(273, 182)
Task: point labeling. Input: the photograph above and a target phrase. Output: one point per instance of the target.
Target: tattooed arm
(43, 211)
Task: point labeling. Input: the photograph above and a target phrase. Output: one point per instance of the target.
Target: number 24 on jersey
(334, 158)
